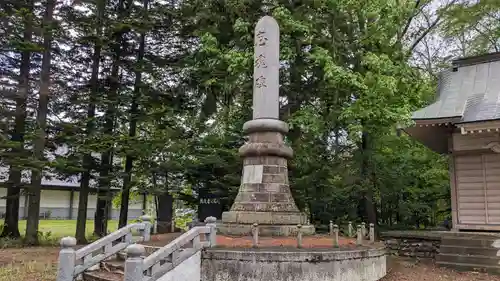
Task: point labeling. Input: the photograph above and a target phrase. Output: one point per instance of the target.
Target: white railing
(159, 263)
(74, 262)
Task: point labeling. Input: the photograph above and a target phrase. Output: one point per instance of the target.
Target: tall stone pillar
(264, 195)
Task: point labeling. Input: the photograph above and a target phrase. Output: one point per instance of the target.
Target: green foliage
(475, 24)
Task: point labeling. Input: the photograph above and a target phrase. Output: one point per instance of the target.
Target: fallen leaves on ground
(411, 270)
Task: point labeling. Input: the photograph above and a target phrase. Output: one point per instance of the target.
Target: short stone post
(299, 236)
(350, 230)
(67, 257)
(146, 232)
(155, 227)
(363, 229)
(359, 240)
(335, 236)
(134, 263)
(255, 235)
(210, 221)
(331, 227)
(372, 233)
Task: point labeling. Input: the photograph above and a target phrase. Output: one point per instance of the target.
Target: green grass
(61, 228)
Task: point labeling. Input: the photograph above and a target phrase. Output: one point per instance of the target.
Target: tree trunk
(11, 225)
(41, 120)
(369, 206)
(90, 127)
(132, 130)
(104, 200)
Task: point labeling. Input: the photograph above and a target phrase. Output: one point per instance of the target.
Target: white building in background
(59, 198)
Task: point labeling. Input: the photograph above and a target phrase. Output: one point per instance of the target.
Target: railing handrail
(136, 265)
(175, 245)
(103, 241)
(72, 263)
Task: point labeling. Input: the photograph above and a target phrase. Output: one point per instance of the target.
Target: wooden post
(336, 236)
(372, 233)
(359, 240)
(299, 236)
(134, 263)
(67, 257)
(211, 222)
(350, 230)
(255, 235)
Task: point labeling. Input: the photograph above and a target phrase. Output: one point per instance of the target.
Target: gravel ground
(404, 269)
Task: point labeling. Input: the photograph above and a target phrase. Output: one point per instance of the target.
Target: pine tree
(14, 158)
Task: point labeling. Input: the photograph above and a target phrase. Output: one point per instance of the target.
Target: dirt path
(411, 270)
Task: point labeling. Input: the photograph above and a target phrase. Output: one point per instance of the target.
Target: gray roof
(469, 92)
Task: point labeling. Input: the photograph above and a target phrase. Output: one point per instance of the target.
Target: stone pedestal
(264, 196)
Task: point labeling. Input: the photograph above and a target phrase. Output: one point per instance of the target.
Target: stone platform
(308, 242)
(276, 259)
(265, 230)
(287, 264)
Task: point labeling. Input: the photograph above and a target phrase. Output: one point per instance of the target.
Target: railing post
(372, 233)
(335, 236)
(363, 230)
(134, 270)
(67, 257)
(350, 230)
(359, 240)
(255, 235)
(331, 228)
(299, 236)
(146, 232)
(210, 221)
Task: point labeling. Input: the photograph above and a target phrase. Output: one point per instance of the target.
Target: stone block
(264, 230)
(238, 206)
(280, 197)
(229, 216)
(263, 137)
(285, 188)
(253, 187)
(271, 169)
(255, 217)
(288, 218)
(261, 218)
(275, 207)
(273, 178)
(271, 187)
(253, 197)
(265, 160)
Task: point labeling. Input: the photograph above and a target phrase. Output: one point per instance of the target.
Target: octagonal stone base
(363, 264)
(238, 229)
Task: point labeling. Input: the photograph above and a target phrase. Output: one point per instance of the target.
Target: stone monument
(264, 195)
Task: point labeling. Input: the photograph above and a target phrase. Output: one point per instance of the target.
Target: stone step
(468, 259)
(492, 269)
(114, 265)
(102, 276)
(474, 251)
(485, 242)
(114, 268)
